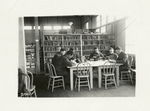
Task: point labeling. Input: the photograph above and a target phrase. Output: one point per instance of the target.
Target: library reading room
(76, 56)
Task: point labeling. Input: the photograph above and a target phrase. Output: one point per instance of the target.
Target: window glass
(103, 29)
(66, 27)
(98, 21)
(87, 25)
(47, 27)
(27, 27)
(103, 20)
(57, 27)
(34, 27)
(130, 34)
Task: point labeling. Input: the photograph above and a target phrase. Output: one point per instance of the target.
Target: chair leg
(53, 84)
(114, 81)
(63, 83)
(49, 83)
(130, 77)
(35, 93)
(105, 82)
(78, 84)
(88, 83)
(121, 76)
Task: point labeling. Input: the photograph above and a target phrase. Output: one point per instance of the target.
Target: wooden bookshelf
(51, 45)
(102, 41)
(31, 58)
(83, 44)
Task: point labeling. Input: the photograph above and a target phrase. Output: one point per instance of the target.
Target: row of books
(72, 37)
(90, 42)
(30, 63)
(71, 43)
(93, 37)
(53, 43)
(53, 37)
(76, 48)
(58, 43)
(30, 66)
(57, 49)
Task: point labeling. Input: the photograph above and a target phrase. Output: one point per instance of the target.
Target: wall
(91, 20)
(21, 53)
(29, 36)
(117, 27)
(120, 33)
(52, 21)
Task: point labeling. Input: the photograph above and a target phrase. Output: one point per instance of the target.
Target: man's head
(62, 51)
(111, 50)
(96, 49)
(118, 50)
(71, 49)
(69, 54)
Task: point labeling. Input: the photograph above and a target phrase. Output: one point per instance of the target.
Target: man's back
(55, 58)
(62, 63)
(122, 58)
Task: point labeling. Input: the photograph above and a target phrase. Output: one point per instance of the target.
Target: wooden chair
(108, 74)
(30, 87)
(82, 75)
(127, 75)
(54, 80)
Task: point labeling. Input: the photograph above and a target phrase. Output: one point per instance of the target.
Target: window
(27, 27)
(57, 27)
(87, 25)
(103, 20)
(47, 27)
(103, 29)
(110, 18)
(34, 27)
(98, 21)
(130, 36)
(97, 30)
(66, 27)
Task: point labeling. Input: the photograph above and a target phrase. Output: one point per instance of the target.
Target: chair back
(29, 79)
(51, 69)
(109, 67)
(130, 61)
(83, 68)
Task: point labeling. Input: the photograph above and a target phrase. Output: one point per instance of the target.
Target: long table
(99, 65)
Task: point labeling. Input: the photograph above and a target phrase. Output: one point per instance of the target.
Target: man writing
(62, 63)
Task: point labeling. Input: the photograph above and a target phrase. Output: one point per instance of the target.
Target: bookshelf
(102, 41)
(31, 58)
(72, 41)
(83, 44)
(51, 45)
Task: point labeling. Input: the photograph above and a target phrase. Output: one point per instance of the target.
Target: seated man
(57, 55)
(75, 57)
(96, 54)
(122, 58)
(111, 55)
(61, 65)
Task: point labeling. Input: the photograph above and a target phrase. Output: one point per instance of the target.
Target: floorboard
(124, 90)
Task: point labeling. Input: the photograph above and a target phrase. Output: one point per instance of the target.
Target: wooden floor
(124, 90)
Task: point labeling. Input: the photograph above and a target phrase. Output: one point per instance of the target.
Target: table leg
(99, 77)
(71, 79)
(91, 77)
(117, 75)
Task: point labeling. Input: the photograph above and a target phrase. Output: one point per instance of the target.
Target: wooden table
(99, 65)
